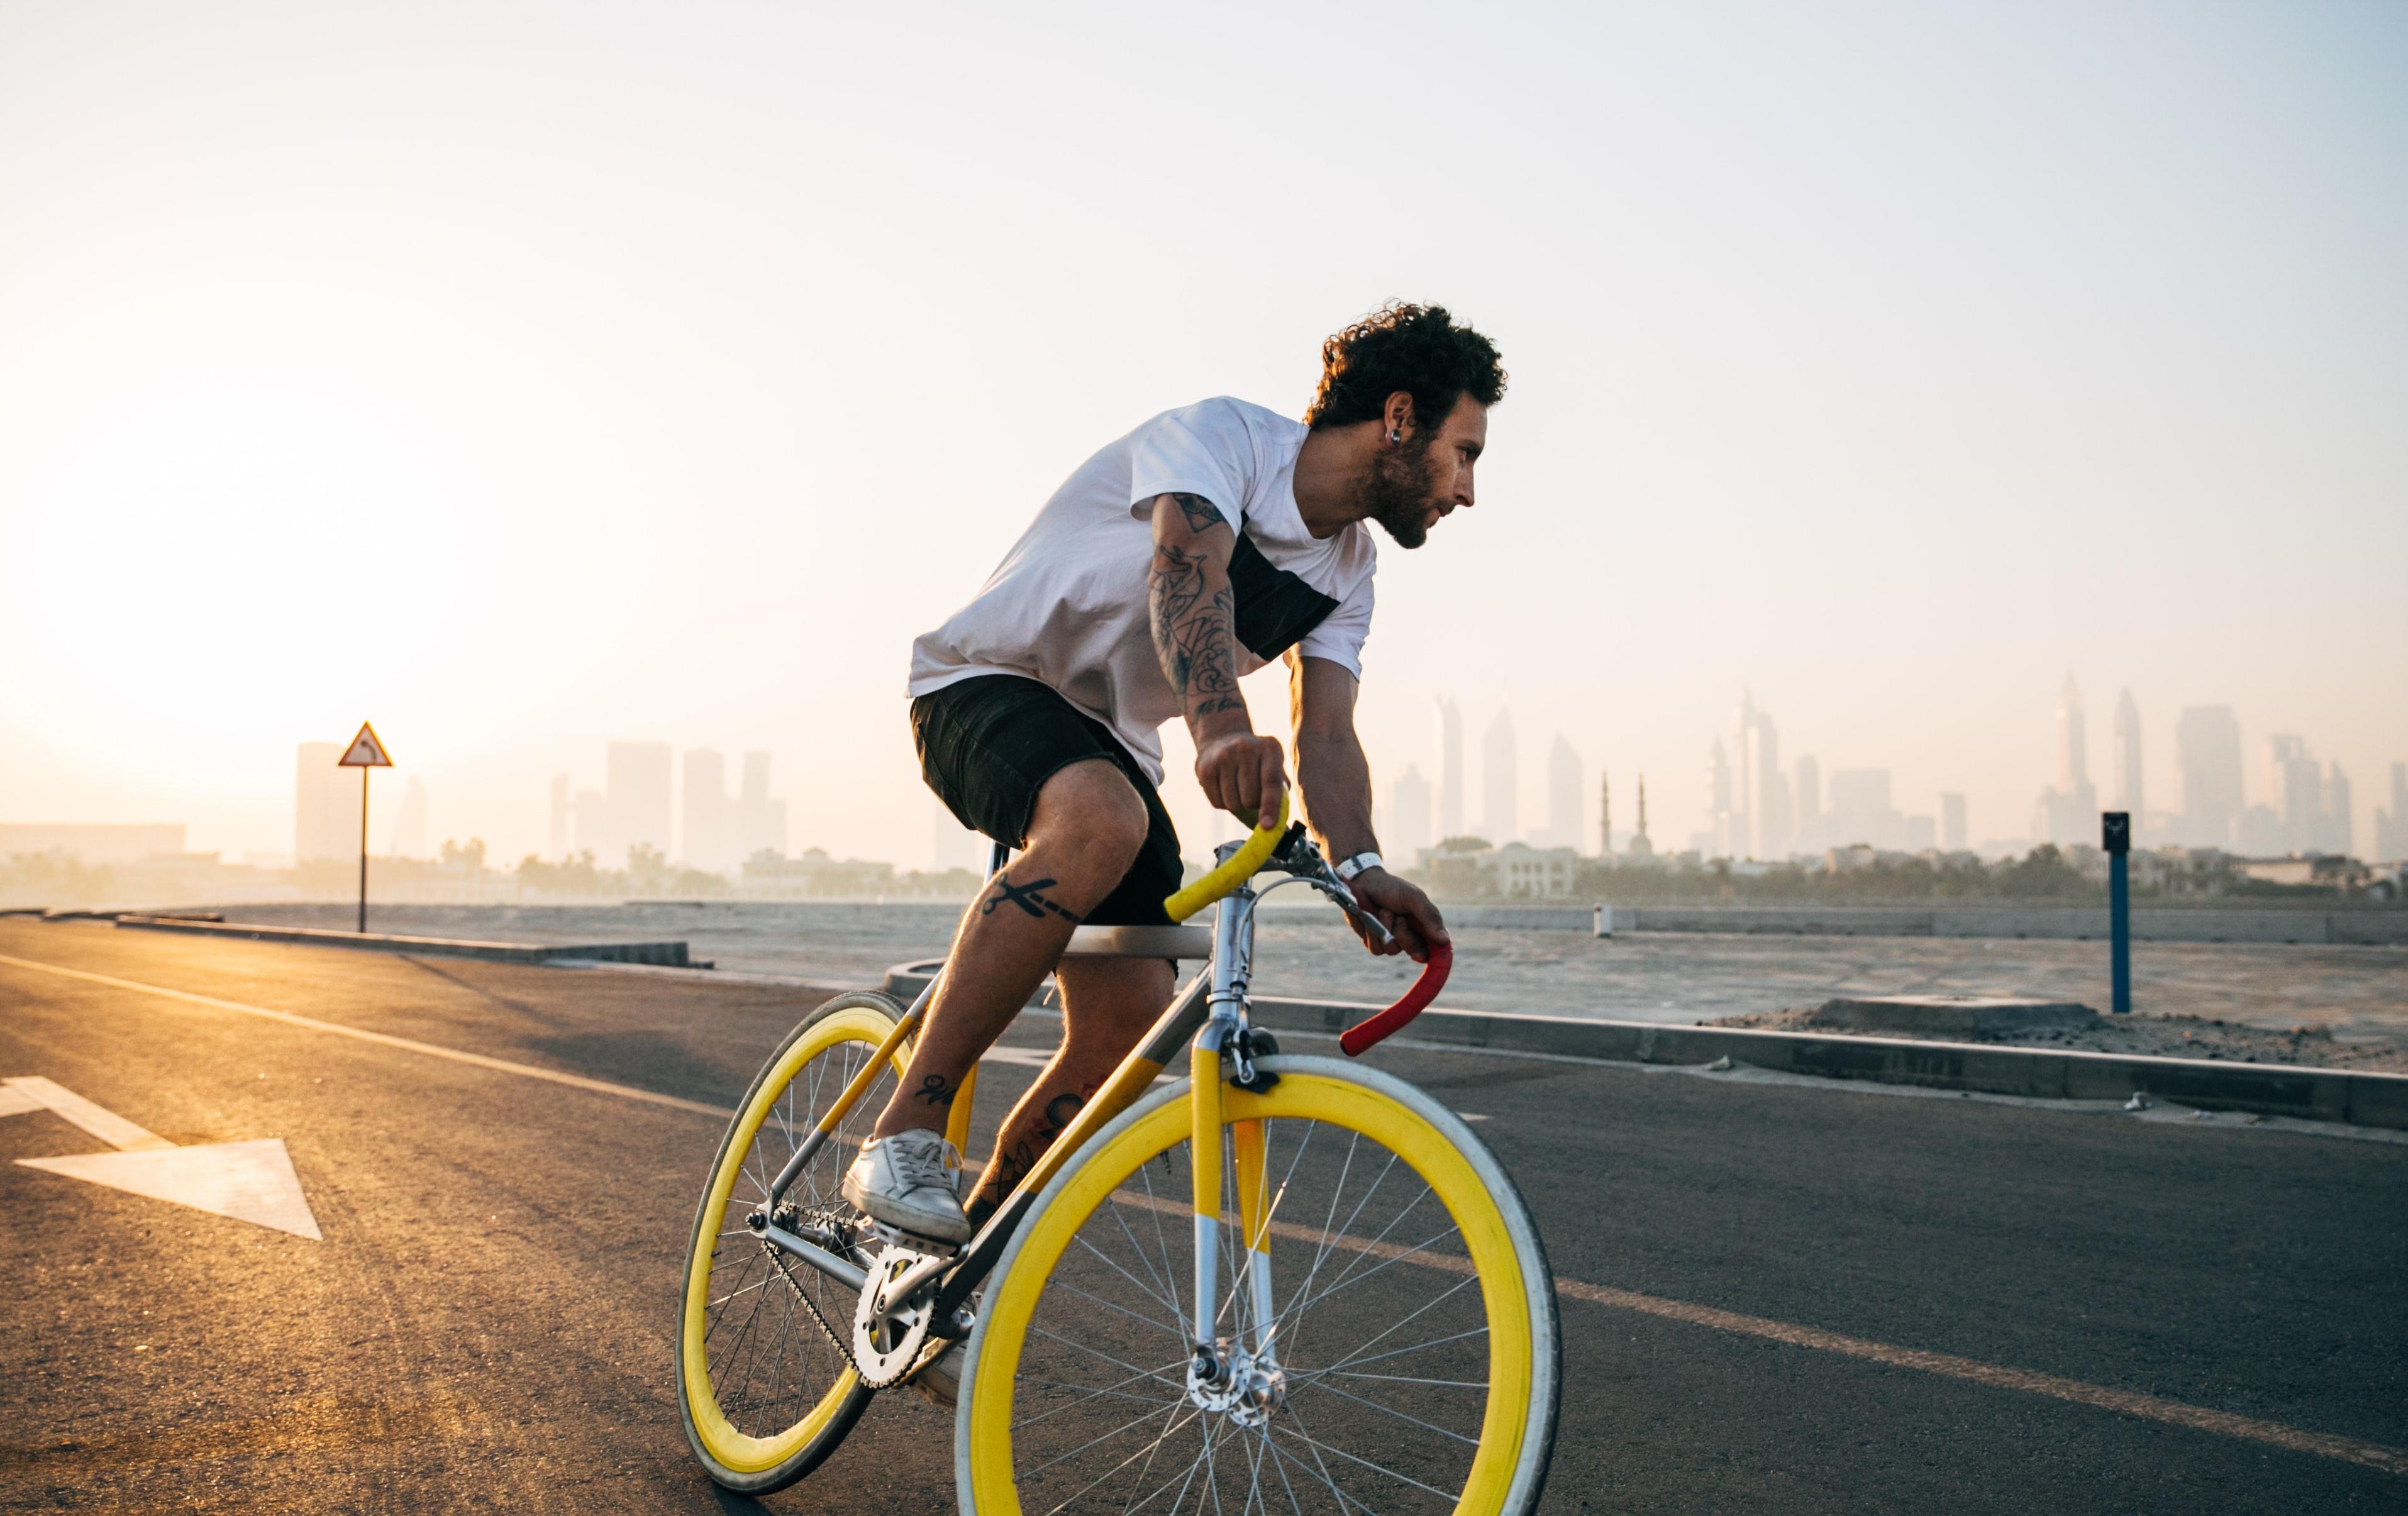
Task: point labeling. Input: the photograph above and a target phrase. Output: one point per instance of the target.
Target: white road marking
(107, 1126)
(251, 1181)
(502, 1065)
(2122, 1402)
(1023, 1057)
(16, 1102)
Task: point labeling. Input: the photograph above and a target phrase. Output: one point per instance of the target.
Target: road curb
(666, 954)
(2318, 1094)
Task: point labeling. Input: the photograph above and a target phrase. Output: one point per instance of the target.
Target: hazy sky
(523, 377)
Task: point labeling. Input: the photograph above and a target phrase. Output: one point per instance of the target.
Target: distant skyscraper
(2068, 811)
(2391, 826)
(2207, 756)
(2128, 757)
(759, 825)
(409, 825)
(1450, 769)
(1408, 831)
(1952, 822)
(1743, 760)
(2336, 832)
(1563, 796)
(1861, 809)
(1761, 798)
(636, 778)
(326, 804)
(1500, 781)
(1810, 802)
(2295, 788)
(1721, 820)
(559, 817)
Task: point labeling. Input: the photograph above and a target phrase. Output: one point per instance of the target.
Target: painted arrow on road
(251, 1181)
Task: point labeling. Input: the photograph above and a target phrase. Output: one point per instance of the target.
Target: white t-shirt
(1067, 605)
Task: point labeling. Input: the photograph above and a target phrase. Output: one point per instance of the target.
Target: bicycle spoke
(1401, 1413)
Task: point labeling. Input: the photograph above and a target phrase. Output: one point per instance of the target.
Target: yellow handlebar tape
(1238, 870)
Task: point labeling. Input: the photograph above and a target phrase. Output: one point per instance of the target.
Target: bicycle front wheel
(764, 1392)
(1386, 1304)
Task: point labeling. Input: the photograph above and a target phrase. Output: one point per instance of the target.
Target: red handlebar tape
(1368, 1032)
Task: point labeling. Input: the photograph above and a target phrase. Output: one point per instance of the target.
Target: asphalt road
(2125, 1316)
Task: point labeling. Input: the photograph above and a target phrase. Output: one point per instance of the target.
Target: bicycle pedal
(896, 1237)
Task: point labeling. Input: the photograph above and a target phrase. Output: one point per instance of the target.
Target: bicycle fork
(1240, 1374)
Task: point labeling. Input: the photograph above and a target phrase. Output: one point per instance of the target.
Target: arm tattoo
(1026, 898)
(1191, 632)
(1201, 515)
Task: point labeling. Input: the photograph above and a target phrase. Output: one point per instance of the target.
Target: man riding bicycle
(1194, 550)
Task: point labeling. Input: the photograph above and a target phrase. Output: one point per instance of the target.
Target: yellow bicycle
(1280, 1283)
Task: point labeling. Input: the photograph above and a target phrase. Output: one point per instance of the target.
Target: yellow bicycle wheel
(764, 1393)
(1412, 1358)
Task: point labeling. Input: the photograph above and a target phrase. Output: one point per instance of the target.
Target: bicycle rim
(1413, 1321)
(764, 1394)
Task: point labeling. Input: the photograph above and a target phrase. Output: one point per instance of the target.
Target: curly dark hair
(1416, 349)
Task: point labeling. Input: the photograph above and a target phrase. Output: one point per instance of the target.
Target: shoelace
(920, 1164)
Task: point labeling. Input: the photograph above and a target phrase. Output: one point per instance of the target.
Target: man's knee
(1090, 811)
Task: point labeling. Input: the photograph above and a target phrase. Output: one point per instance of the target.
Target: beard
(1402, 491)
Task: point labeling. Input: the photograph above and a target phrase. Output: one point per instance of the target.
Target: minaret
(1640, 846)
(1604, 815)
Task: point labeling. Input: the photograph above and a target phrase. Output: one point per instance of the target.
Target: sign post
(2116, 836)
(365, 753)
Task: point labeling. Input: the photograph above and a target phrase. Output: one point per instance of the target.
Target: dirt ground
(2158, 1037)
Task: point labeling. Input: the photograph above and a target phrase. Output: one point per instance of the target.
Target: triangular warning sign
(366, 751)
(251, 1181)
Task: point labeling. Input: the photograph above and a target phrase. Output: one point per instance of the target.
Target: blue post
(2116, 836)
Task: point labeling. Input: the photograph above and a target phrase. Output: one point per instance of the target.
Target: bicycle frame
(1208, 1016)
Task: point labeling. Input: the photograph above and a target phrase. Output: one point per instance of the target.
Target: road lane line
(2122, 1402)
(99, 1121)
(502, 1066)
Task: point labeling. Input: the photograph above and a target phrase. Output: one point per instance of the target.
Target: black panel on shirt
(1275, 608)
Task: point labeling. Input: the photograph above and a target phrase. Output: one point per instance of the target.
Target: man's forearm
(1190, 607)
(1336, 779)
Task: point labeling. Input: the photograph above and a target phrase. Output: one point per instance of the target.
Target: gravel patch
(2155, 1036)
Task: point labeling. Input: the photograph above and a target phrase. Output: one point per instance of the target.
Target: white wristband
(1356, 864)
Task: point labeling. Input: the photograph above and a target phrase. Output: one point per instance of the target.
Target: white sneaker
(907, 1182)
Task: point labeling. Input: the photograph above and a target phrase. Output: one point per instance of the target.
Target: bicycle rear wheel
(1416, 1357)
(764, 1393)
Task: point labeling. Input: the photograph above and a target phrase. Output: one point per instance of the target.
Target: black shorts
(988, 744)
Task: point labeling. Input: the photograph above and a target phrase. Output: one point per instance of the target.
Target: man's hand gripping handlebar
(1275, 842)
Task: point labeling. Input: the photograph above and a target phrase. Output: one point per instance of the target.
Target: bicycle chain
(929, 1350)
(843, 1345)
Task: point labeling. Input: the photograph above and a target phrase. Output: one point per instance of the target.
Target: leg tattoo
(936, 1091)
(1026, 898)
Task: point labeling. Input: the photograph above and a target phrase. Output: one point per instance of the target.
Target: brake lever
(1297, 854)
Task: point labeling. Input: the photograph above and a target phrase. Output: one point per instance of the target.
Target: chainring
(888, 1346)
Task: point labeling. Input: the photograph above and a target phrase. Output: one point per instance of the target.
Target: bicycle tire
(779, 1452)
(1007, 1392)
